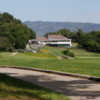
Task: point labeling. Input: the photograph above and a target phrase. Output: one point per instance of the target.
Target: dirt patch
(14, 53)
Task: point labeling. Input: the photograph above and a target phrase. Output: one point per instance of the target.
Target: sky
(53, 10)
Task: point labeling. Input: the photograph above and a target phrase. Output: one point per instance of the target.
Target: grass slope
(50, 58)
(14, 89)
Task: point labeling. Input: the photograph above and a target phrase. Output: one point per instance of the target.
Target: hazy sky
(53, 10)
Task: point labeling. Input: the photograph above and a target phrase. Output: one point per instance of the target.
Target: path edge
(97, 79)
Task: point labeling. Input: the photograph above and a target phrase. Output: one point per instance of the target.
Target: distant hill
(42, 27)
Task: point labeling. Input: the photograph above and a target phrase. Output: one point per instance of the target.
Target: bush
(20, 50)
(69, 53)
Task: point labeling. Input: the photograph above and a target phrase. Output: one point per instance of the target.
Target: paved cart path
(75, 88)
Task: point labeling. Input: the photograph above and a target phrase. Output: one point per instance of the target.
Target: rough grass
(14, 89)
(84, 63)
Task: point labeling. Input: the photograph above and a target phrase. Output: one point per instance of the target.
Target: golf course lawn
(84, 62)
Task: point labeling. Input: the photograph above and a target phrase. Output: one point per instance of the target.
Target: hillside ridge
(43, 27)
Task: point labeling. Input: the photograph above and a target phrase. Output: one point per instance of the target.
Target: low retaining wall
(56, 72)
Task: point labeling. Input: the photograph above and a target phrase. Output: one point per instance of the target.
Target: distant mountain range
(41, 27)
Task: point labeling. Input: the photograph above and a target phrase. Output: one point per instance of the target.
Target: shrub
(20, 50)
(68, 53)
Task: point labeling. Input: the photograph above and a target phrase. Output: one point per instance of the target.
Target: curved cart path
(75, 88)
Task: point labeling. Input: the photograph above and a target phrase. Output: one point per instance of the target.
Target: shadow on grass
(13, 87)
(68, 88)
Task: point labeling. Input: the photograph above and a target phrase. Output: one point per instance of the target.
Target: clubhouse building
(52, 40)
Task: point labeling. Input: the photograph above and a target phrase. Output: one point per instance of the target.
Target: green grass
(14, 89)
(86, 63)
(84, 53)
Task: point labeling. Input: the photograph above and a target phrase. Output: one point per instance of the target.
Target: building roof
(41, 38)
(57, 37)
(51, 37)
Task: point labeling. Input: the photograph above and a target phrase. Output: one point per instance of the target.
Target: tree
(5, 44)
(14, 31)
(79, 35)
(64, 32)
(91, 41)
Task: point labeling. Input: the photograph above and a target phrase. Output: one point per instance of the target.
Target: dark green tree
(14, 31)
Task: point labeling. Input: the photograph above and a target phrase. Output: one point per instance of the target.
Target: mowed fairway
(86, 63)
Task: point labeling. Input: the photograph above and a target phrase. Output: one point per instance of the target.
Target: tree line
(13, 33)
(86, 40)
